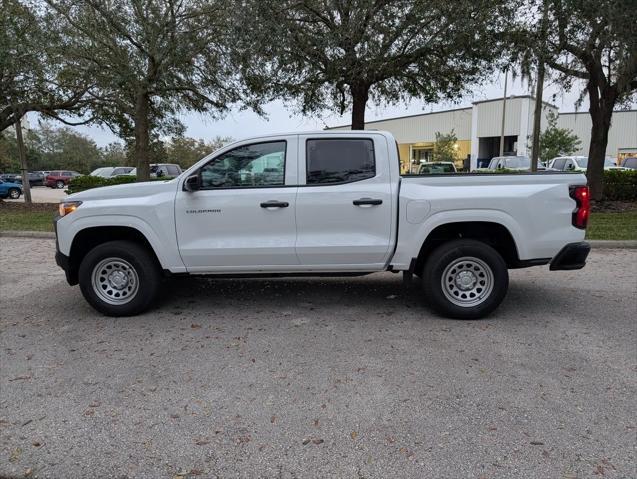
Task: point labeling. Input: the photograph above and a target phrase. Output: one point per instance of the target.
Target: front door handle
(367, 201)
(275, 204)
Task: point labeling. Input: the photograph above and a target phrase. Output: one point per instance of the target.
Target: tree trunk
(24, 168)
(142, 136)
(360, 95)
(601, 111)
(537, 116)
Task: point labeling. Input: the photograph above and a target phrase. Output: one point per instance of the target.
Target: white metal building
(478, 128)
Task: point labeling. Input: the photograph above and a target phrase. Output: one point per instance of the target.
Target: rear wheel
(14, 193)
(59, 184)
(120, 278)
(465, 279)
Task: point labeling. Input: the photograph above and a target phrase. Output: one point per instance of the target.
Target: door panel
(332, 229)
(226, 228)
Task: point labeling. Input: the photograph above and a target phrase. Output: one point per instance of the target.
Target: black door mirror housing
(192, 183)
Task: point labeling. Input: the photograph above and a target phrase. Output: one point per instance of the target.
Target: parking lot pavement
(318, 378)
(43, 194)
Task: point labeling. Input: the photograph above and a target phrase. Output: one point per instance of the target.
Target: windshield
(510, 162)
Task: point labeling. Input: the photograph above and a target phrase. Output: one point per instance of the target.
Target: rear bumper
(572, 256)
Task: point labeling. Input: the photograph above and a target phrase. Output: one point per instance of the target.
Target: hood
(129, 190)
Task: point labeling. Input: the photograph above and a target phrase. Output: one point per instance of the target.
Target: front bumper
(572, 256)
(62, 260)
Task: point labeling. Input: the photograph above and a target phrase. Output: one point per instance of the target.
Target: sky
(281, 118)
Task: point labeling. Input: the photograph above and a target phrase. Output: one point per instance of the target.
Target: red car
(59, 179)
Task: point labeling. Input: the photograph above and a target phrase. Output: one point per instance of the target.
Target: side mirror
(192, 183)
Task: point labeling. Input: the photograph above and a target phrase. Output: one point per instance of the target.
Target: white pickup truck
(315, 204)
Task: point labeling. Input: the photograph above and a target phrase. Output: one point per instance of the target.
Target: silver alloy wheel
(14, 194)
(59, 184)
(115, 281)
(467, 281)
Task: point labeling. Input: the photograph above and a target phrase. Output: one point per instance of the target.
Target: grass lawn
(39, 217)
(19, 217)
(612, 226)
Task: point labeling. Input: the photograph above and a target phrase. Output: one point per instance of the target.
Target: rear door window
(339, 160)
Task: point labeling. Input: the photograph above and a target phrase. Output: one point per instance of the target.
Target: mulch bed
(23, 207)
(613, 206)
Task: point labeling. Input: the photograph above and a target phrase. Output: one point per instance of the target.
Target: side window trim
(216, 158)
(307, 159)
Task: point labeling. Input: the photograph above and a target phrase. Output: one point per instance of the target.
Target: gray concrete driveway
(318, 378)
(43, 194)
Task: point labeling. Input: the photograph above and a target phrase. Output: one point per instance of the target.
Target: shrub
(83, 183)
(620, 185)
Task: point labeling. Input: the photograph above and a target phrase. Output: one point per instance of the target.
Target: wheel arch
(492, 233)
(88, 238)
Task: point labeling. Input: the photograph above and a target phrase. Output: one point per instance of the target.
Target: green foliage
(446, 147)
(36, 73)
(620, 185)
(151, 61)
(556, 141)
(82, 183)
(187, 151)
(337, 54)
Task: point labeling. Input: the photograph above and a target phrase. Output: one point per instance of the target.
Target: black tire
(14, 193)
(59, 184)
(136, 262)
(476, 279)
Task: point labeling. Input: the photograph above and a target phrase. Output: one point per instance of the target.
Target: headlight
(68, 207)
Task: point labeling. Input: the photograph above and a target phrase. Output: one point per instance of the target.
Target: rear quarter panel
(535, 208)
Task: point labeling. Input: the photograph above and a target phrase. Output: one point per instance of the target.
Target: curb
(595, 244)
(28, 234)
(611, 244)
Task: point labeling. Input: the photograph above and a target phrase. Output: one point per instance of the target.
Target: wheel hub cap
(115, 281)
(467, 281)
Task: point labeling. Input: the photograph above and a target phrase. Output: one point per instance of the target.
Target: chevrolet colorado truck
(322, 203)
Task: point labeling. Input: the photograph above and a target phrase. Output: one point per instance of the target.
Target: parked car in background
(60, 178)
(579, 163)
(111, 171)
(436, 167)
(10, 177)
(629, 163)
(9, 189)
(36, 178)
(160, 170)
(515, 163)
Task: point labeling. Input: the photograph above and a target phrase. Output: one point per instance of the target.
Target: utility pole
(537, 114)
(23, 162)
(504, 109)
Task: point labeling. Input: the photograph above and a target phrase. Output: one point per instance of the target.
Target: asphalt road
(320, 378)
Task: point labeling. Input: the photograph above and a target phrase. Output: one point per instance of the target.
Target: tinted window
(630, 163)
(66, 173)
(173, 170)
(559, 164)
(339, 160)
(259, 164)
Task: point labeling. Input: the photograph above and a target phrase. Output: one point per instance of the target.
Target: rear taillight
(582, 211)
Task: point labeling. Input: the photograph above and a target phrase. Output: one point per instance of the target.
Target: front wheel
(59, 184)
(120, 278)
(14, 193)
(465, 279)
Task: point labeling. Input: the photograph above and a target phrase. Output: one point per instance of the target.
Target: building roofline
(514, 97)
(404, 116)
(586, 112)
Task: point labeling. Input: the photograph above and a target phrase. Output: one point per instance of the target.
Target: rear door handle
(367, 201)
(275, 204)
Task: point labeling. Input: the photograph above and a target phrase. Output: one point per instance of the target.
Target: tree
(187, 151)
(35, 74)
(340, 53)
(152, 59)
(556, 141)
(595, 41)
(446, 147)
